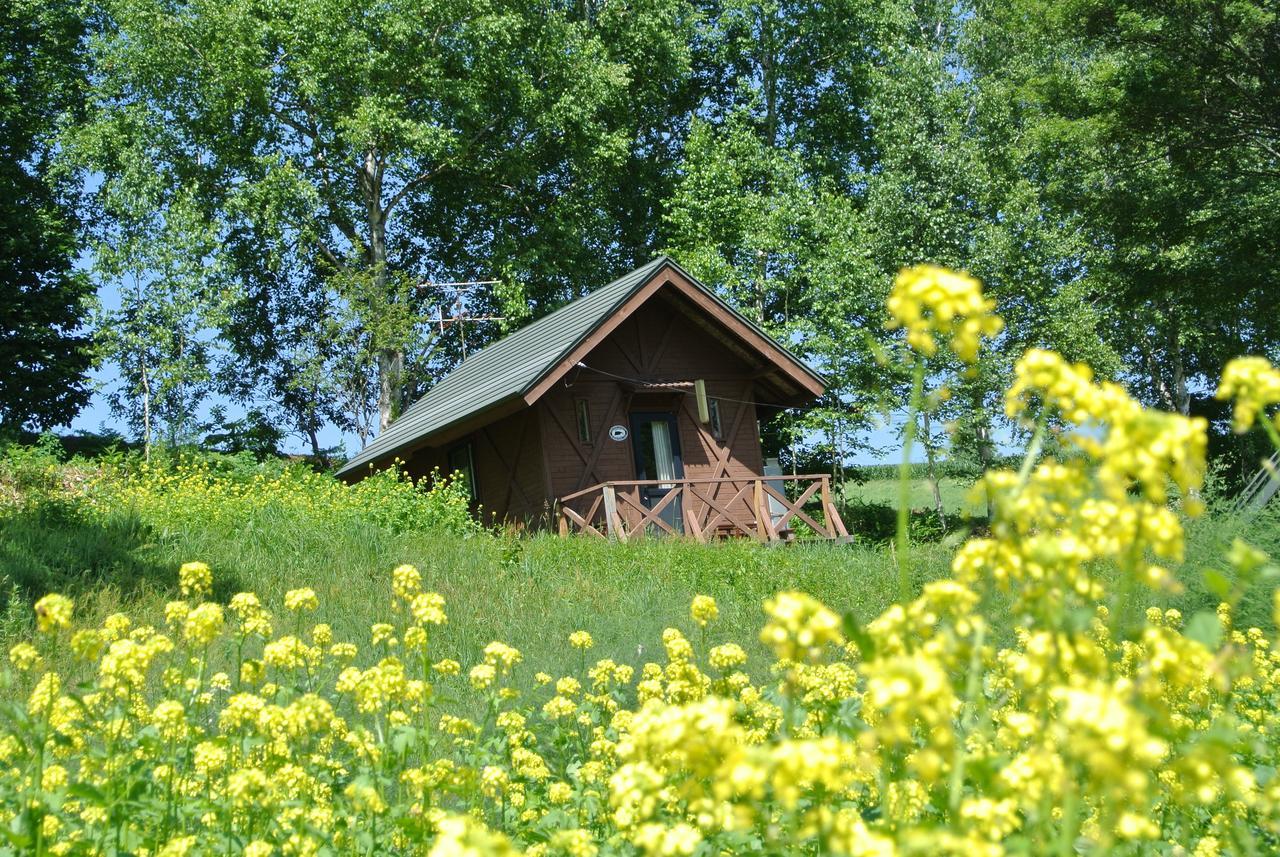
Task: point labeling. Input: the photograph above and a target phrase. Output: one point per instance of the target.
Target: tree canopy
(286, 196)
(44, 353)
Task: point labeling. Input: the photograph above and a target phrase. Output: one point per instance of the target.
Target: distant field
(886, 491)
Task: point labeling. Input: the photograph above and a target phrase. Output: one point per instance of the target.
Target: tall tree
(854, 144)
(44, 356)
(382, 146)
(1153, 129)
(173, 297)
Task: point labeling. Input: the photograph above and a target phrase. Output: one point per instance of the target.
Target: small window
(584, 421)
(713, 407)
(461, 465)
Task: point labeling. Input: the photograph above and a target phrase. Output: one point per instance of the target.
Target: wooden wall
(526, 461)
(657, 343)
(509, 467)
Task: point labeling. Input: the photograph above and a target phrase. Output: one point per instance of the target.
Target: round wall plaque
(618, 433)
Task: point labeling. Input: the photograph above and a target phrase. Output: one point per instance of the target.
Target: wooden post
(613, 524)
(564, 524)
(691, 527)
(834, 522)
(764, 524)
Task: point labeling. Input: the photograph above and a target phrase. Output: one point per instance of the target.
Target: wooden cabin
(633, 409)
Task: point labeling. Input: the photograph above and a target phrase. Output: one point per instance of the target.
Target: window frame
(582, 418)
(468, 449)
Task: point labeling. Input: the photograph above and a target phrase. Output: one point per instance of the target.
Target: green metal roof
(512, 366)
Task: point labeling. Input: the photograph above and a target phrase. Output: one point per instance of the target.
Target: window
(461, 465)
(713, 407)
(584, 421)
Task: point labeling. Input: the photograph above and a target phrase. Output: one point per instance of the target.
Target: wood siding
(525, 461)
(511, 483)
(658, 343)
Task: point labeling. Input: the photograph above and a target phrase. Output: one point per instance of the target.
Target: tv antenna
(459, 316)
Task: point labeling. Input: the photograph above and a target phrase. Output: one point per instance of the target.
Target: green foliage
(44, 355)
(342, 154)
(1148, 130)
(114, 544)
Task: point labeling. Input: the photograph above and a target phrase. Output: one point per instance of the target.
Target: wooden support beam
(613, 523)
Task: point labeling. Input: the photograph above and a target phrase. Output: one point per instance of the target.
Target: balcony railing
(755, 507)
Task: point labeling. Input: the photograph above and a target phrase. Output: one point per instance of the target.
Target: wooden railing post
(834, 522)
(613, 524)
(691, 525)
(764, 521)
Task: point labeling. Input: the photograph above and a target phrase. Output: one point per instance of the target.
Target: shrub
(230, 490)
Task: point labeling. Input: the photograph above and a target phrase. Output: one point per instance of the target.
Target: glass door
(655, 440)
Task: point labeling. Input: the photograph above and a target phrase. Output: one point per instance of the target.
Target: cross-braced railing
(755, 507)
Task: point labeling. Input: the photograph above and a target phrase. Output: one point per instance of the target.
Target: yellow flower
(428, 609)
(365, 798)
(704, 609)
(928, 299)
(581, 640)
(406, 582)
(482, 675)
(177, 847)
(24, 657)
(1254, 384)
(301, 599)
(53, 611)
(203, 624)
(727, 656)
(464, 836)
(502, 656)
(799, 627)
(447, 666)
(170, 719)
(195, 580)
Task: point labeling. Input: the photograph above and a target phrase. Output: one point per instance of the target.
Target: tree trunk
(769, 78)
(1181, 395)
(390, 384)
(933, 472)
(146, 412)
(986, 455)
(390, 356)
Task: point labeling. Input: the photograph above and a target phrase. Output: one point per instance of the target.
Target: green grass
(885, 491)
(530, 593)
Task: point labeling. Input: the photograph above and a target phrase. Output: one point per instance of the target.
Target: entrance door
(655, 440)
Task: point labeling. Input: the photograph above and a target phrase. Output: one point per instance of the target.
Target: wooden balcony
(756, 507)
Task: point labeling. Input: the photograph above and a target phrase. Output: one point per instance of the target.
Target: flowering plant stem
(904, 482)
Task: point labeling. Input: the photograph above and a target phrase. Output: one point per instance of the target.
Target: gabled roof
(514, 366)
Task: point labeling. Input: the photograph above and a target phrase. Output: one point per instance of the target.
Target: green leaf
(1205, 628)
(858, 635)
(87, 792)
(1217, 583)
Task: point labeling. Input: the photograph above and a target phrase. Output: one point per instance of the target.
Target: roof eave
(439, 436)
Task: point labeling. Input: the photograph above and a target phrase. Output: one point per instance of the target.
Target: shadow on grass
(57, 547)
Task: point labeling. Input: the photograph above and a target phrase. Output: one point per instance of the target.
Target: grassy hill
(113, 533)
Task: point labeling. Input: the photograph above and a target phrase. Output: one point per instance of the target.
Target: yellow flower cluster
(960, 722)
(168, 494)
(1254, 384)
(928, 300)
